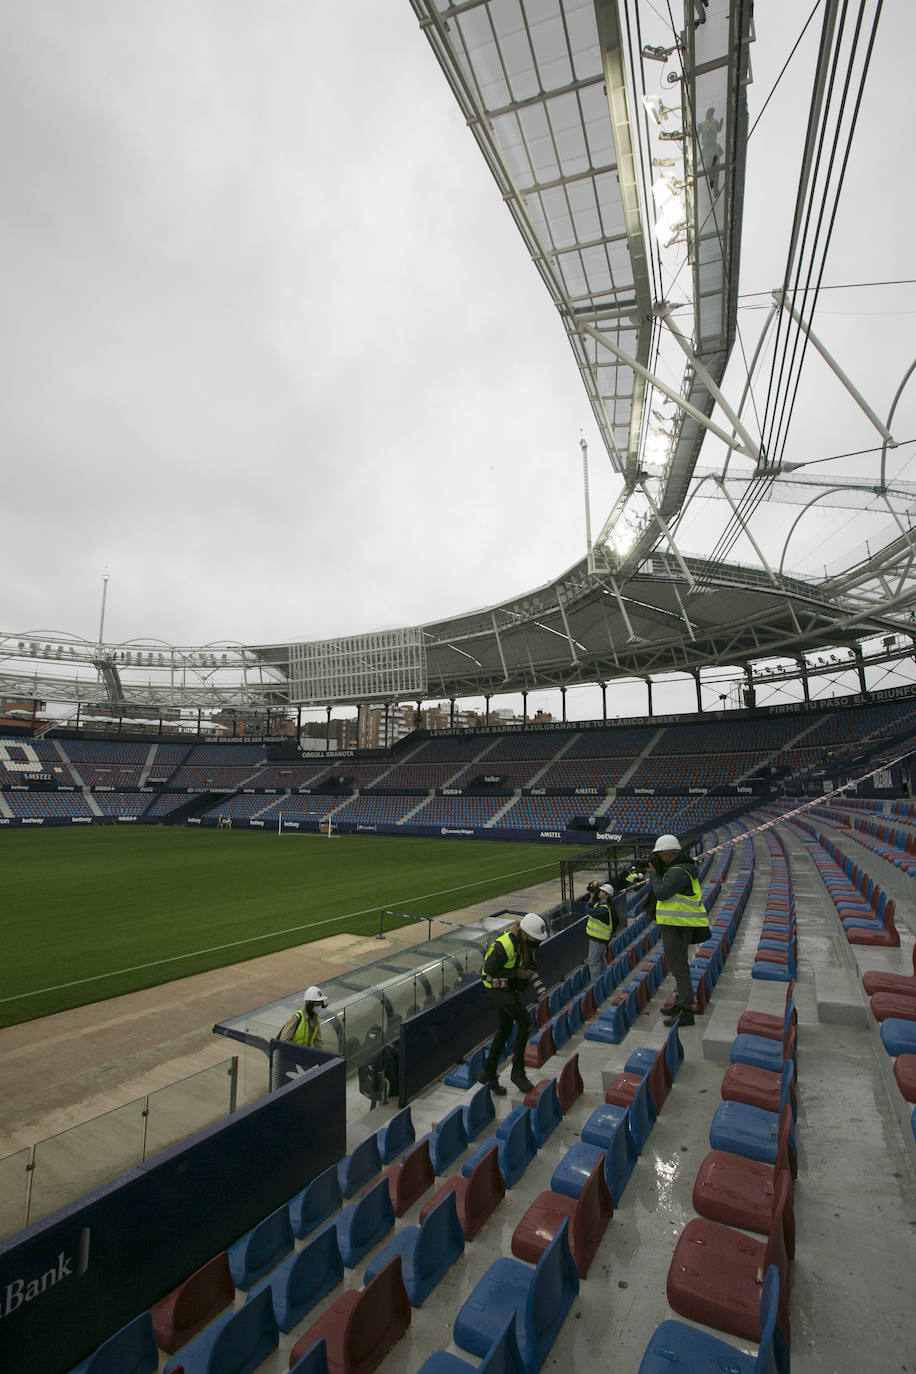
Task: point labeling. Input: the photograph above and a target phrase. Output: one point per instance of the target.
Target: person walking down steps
(509, 967)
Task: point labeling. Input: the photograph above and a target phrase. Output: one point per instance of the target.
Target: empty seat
(427, 1251)
(760, 1087)
(448, 1140)
(750, 1132)
(193, 1304)
(478, 1111)
(515, 1150)
(641, 1060)
(905, 1075)
(625, 1086)
(546, 1114)
(261, 1248)
(620, 1156)
(605, 1119)
(540, 1048)
(901, 1005)
(476, 1196)
(767, 1025)
(132, 1349)
(588, 1216)
(314, 1361)
(539, 1297)
(898, 1036)
(302, 1280)
(502, 1358)
(569, 1083)
(560, 1029)
(676, 1347)
(410, 1179)
(317, 1201)
(763, 1053)
(355, 1170)
(362, 1325)
(235, 1343)
(875, 980)
(741, 1192)
(396, 1136)
(610, 1025)
(362, 1225)
(716, 1273)
(465, 1075)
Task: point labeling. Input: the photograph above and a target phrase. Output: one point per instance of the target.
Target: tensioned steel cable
(792, 355)
(810, 135)
(784, 428)
(776, 437)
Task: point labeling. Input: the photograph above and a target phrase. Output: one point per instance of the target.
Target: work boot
(489, 1076)
(683, 1016)
(522, 1081)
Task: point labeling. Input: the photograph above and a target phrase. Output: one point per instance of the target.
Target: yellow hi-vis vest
(681, 909)
(508, 945)
(305, 1033)
(598, 925)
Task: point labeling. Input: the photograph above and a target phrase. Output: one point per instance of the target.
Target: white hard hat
(664, 843)
(533, 926)
(607, 887)
(314, 994)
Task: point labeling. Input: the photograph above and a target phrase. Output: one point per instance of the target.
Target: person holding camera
(681, 913)
(599, 927)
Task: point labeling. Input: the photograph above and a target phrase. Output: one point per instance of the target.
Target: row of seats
(864, 909)
(894, 843)
(719, 1274)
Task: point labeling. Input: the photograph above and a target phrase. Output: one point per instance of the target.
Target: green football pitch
(93, 913)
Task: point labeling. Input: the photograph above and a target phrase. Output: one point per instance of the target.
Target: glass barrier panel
(80, 1159)
(400, 1000)
(182, 1108)
(362, 1031)
(14, 1180)
(254, 1072)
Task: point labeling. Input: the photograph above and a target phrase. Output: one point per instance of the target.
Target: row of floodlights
(130, 658)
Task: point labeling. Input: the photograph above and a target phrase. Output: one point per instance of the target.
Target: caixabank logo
(17, 1292)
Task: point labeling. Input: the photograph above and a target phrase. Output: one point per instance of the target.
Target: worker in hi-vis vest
(599, 927)
(304, 1028)
(681, 913)
(509, 965)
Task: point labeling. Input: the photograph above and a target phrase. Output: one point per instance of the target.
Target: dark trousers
(512, 1011)
(676, 944)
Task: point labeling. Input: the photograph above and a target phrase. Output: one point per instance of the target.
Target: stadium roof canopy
(602, 181)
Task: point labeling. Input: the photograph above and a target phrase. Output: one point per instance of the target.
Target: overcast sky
(273, 352)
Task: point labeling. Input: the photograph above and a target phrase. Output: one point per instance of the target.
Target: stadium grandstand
(736, 1193)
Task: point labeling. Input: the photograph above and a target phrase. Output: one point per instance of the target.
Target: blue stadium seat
(540, 1297)
(448, 1140)
(302, 1280)
(355, 1170)
(362, 1225)
(132, 1349)
(502, 1358)
(478, 1111)
(261, 1248)
(235, 1343)
(516, 1150)
(427, 1251)
(395, 1136)
(317, 1201)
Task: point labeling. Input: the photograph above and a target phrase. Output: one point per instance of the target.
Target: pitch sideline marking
(251, 939)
